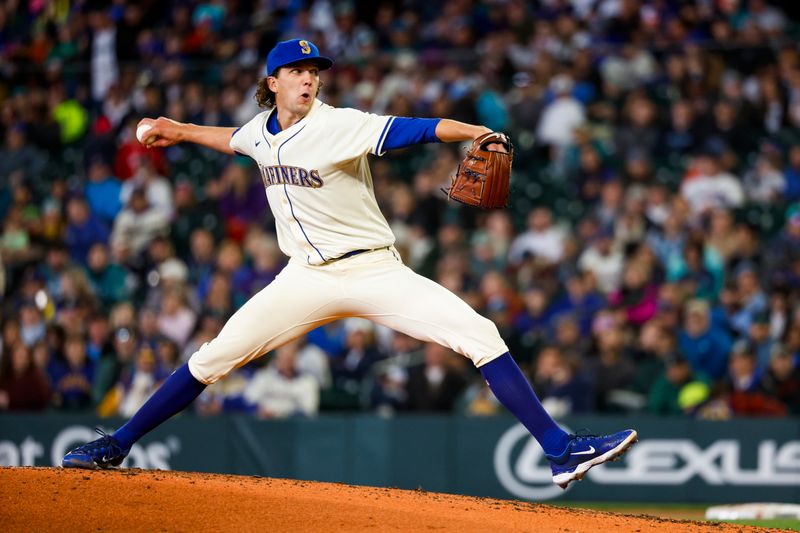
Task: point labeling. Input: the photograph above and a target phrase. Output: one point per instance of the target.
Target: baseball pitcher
(313, 163)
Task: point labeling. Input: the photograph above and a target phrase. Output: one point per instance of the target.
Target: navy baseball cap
(286, 52)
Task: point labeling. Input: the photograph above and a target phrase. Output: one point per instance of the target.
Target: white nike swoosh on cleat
(584, 452)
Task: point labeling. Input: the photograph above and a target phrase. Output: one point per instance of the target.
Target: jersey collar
(294, 128)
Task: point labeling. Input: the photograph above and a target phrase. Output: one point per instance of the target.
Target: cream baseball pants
(374, 285)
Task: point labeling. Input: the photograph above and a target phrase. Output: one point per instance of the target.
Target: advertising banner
(676, 460)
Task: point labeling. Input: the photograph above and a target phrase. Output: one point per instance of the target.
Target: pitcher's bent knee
(208, 367)
(483, 342)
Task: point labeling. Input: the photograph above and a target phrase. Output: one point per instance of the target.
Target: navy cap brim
(324, 63)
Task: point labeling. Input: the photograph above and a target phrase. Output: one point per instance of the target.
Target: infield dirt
(55, 499)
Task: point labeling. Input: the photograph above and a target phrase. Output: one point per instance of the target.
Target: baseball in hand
(141, 131)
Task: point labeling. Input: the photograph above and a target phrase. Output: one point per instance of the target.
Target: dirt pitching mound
(55, 499)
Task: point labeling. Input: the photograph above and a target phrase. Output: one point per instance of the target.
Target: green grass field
(678, 511)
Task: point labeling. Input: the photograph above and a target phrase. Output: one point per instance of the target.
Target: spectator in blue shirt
(752, 299)
(705, 346)
(83, 230)
(72, 387)
(103, 190)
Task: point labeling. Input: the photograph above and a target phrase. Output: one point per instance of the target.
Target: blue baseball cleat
(585, 451)
(104, 452)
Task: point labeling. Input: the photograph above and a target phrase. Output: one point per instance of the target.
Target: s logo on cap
(288, 52)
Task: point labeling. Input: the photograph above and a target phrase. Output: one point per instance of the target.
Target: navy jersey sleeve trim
(379, 147)
(404, 131)
(237, 152)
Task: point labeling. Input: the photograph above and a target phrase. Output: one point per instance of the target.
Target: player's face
(295, 87)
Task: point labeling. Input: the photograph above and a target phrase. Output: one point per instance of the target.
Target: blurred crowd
(649, 261)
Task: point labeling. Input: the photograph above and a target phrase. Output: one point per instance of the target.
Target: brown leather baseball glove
(483, 176)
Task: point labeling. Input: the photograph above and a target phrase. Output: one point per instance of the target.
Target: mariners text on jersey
(289, 175)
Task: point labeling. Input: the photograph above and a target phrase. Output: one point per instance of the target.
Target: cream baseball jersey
(318, 182)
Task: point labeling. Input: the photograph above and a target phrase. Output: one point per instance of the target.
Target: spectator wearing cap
(353, 363)
(23, 386)
(704, 344)
(604, 260)
(560, 118)
(782, 378)
(172, 273)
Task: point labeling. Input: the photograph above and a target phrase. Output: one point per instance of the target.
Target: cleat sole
(564, 480)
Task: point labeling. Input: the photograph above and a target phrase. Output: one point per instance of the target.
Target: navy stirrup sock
(177, 391)
(510, 386)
